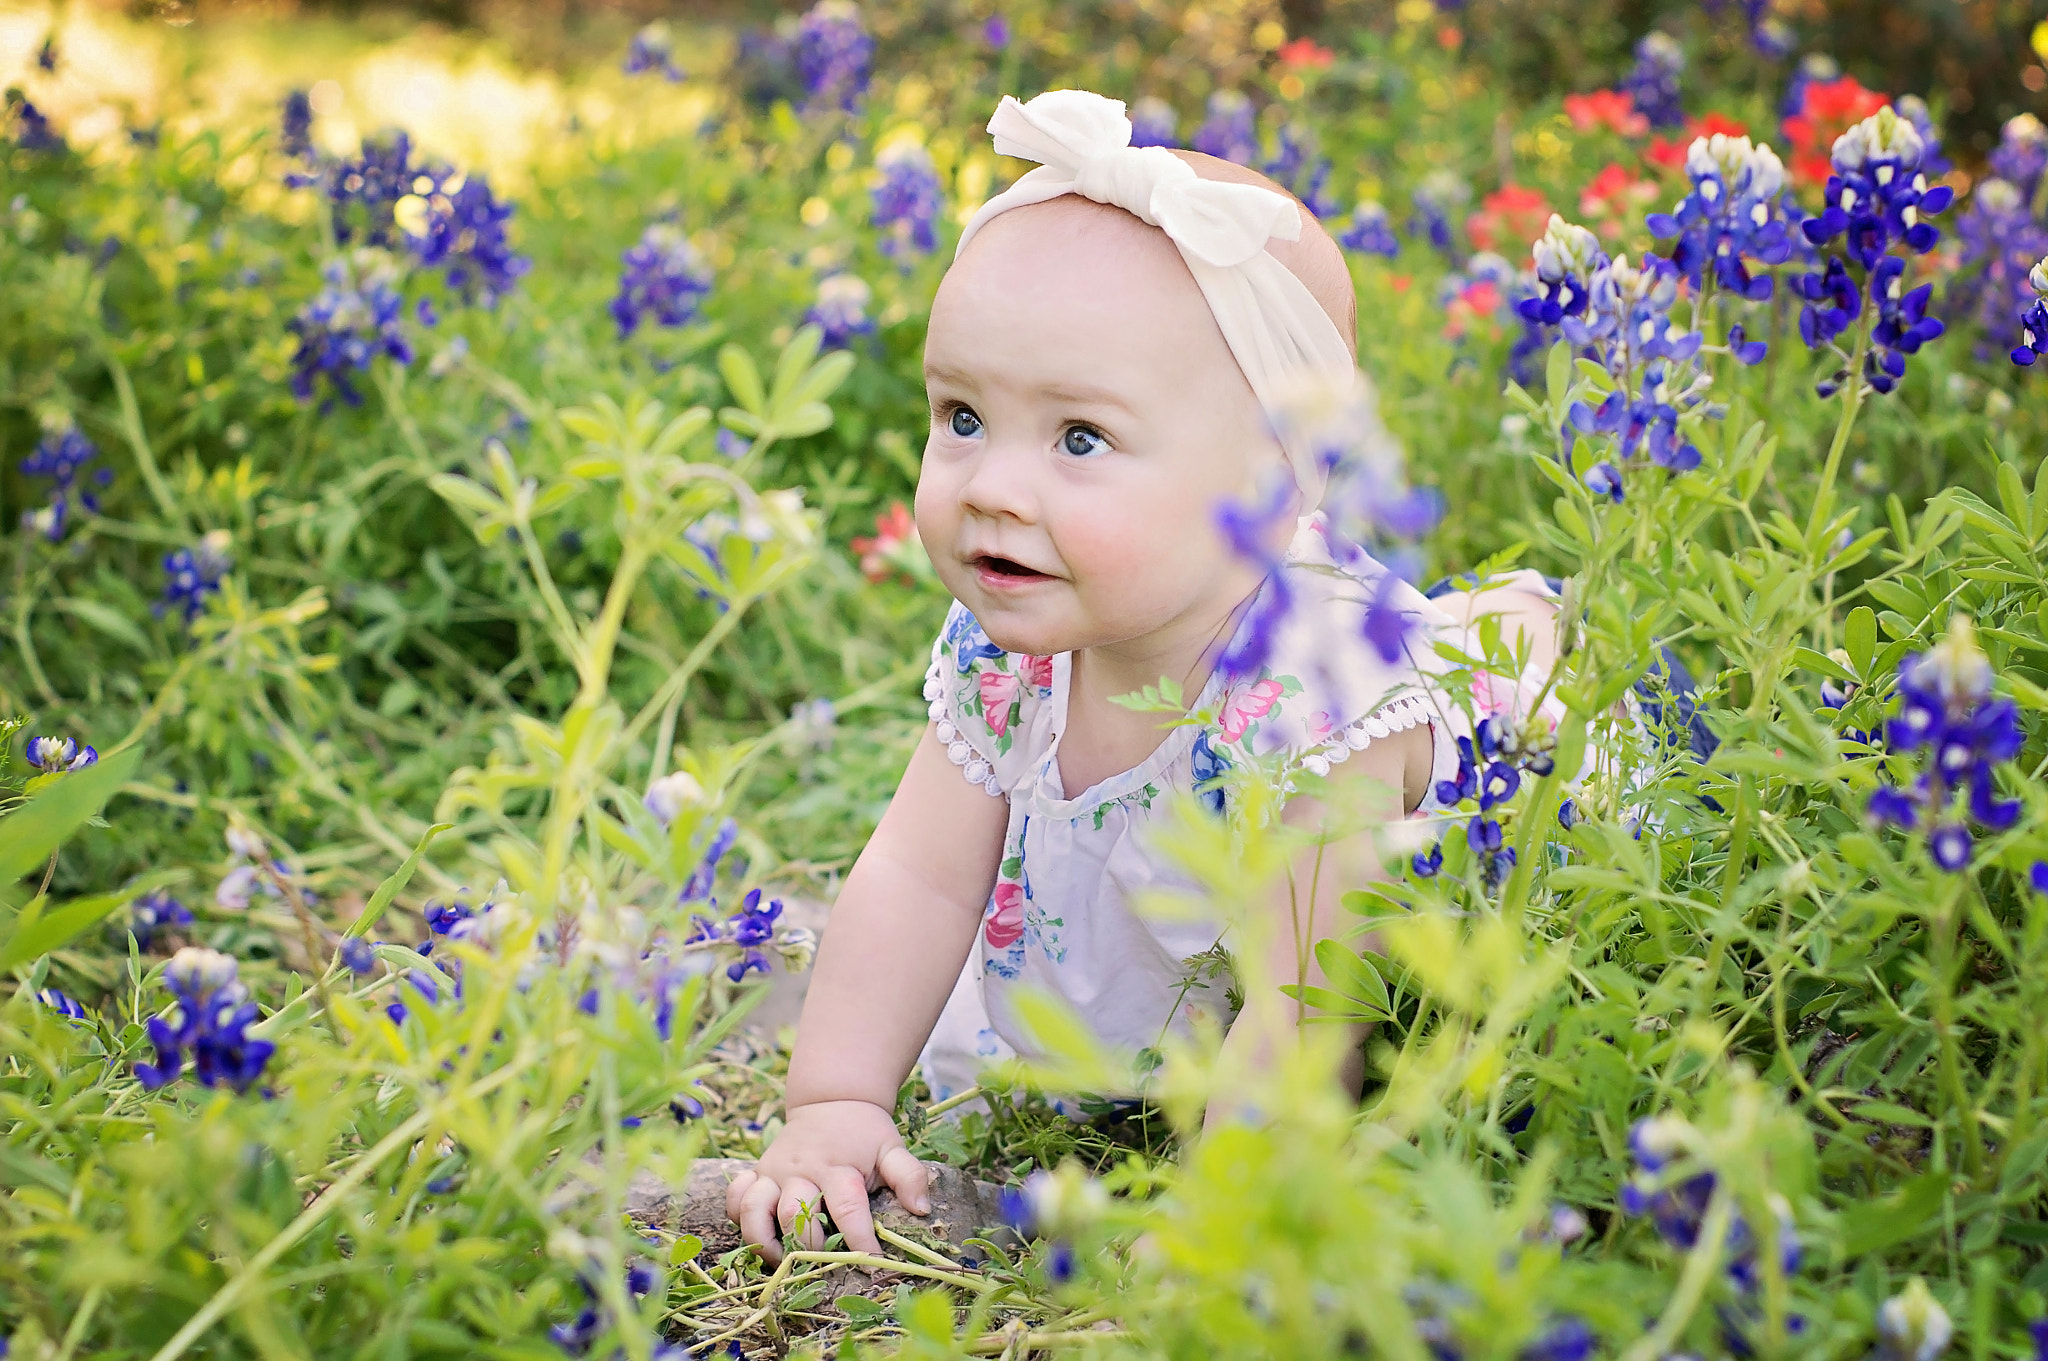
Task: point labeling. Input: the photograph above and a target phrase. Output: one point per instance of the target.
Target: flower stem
(1852, 402)
(1946, 922)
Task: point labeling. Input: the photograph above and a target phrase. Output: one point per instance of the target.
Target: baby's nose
(1002, 485)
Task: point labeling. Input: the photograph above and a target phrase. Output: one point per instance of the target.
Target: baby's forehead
(1070, 233)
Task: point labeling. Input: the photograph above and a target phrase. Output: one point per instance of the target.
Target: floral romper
(1061, 917)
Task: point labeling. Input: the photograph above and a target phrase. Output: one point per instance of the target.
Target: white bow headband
(1281, 337)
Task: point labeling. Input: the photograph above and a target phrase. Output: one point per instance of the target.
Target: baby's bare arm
(1368, 792)
(900, 930)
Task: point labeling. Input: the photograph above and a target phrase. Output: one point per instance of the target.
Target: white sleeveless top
(1061, 916)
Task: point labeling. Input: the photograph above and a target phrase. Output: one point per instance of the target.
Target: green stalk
(1700, 1266)
(138, 440)
(1947, 921)
(1852, 402)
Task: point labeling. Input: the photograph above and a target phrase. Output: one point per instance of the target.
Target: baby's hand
(839, 1150)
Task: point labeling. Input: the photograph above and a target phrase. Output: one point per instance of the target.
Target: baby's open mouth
(1006, 569)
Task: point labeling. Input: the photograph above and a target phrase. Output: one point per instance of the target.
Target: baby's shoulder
(984, 702)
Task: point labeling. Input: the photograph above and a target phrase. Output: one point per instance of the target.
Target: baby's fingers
(846, 1196)
(802, 1213)
(736, 1192)
(757, 1217)
(903, 1173)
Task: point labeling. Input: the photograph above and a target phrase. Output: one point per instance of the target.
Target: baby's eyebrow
(1076, 394)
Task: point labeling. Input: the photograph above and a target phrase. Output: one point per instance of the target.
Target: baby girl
(1105, 363)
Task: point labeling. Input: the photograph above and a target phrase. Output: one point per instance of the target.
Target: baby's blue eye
(1082, 442)
(964, 423)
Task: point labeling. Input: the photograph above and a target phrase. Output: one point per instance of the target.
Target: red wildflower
(1614, 199)
(1829, 109)
(1480, 301)
(1609, 109)
(1450, 37)
(1305, 52)
(1510, 217)
(1669, 154)
(882, 556)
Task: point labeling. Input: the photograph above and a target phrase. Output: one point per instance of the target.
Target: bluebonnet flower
(1731, 216)
(591, 1322)
(357, 955)
(153, 912)
(2001, 240)
(1678, 1205)
(706, 874)
(668, 796)
(1438, 199)
(1230, 131)
(765, 68)
(193, 575)
(60, 456)
(214, 1013)
(730, 445)
(685, 1108)
(906, 199)
(59, 754)
(363, 192)
(1947, 709)
(653, 50)
(1369, 233)
(296, 127)
(1914, 110)
(459, 226)
(32, 131)
(1297, 167)
(61, 1003)
(1565, 1338)
(1566, 258)
(833, 55)
(2034, 321)
(841, 310)
(1626, 324)
(2022, 153)
(1154, 123)
(1652, 83)
(1055, 1206)
(1876, 198)
(1912, 1325)
(356, 316)
(1428, 864)
(996, 32)
(664, 277)
(748, 929)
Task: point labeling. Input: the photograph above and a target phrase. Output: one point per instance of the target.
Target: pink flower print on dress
(998, 691)
(1245, 703)
(1036, 671)
(1005, 925)
(1321, 726)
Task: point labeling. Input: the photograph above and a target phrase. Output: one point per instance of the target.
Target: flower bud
(1912, 1325)
(671, 794)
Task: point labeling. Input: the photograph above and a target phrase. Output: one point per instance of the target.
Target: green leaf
(687, 1247)
(104, 619)
(37, 932)
(1859, 633)
(30, 833)
(1827, 666)
(1354, 977)
(1876, 1225)
(388, 890)
(1557, 374)
(742, 380)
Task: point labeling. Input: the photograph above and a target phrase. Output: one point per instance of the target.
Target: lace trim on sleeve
(1394, 716)
(974, 767)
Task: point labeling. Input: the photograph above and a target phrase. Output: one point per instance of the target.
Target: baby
(1103, 363)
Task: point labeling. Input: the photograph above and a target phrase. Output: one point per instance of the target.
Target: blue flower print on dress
(1208, 766)
(969, 643)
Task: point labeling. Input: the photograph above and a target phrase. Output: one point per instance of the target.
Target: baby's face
(1086, 420)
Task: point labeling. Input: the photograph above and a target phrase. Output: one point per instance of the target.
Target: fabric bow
(1281, 337)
